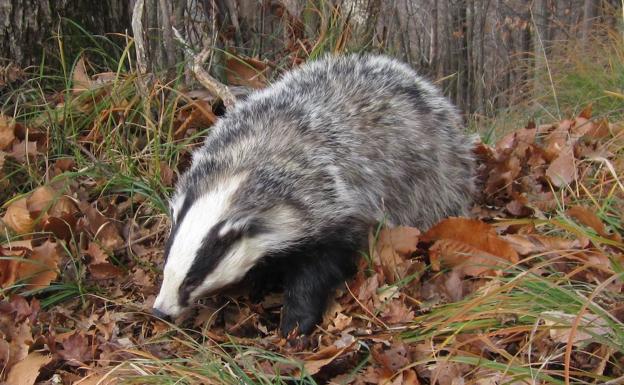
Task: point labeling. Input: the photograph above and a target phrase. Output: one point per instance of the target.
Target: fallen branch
(137, 30)
(214, 86)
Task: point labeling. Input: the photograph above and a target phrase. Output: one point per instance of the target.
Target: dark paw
(296, 324)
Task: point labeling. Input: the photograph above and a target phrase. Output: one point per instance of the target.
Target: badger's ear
(243, 226)
(281, 218)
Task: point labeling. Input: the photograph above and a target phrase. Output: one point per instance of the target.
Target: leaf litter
(405, 318)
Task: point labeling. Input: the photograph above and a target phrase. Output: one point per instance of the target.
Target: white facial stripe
(176, 204)
(282, 232)
(203, 214)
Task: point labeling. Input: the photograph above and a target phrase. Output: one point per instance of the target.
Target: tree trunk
(589, 13)
(27, 26)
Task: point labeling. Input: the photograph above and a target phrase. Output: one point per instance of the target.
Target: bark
(589, 13)
(27, 26)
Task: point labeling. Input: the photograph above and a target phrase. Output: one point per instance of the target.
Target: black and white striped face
(209, 249)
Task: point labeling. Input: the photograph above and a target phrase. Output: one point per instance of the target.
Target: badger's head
(217, 236)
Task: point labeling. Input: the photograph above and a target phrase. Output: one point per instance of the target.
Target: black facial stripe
(211, 252)
(188, 200)
(186, 205)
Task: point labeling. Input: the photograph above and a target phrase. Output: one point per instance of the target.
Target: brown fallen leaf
(463, 257)
(246, 72)
(76, 349)
(27, 370)
(472, 232)
(18, 218)
(393, 359)
(101, 227)
(396, 312)
(560, 327)
(19, 338)
(526, 244)
(589, 219)
(410, 378)
(80, 80)
(562, 171)
(392, 249)
(24, 150)
(7, 132)
(104, 270)
(96, 253)
(62, 227)
(41, 267)
(316, 361)
(12, 255)
(340, 322)
(557, 140)
(40, 200)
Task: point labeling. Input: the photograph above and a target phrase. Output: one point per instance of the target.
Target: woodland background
(101, 104)
(487, 54)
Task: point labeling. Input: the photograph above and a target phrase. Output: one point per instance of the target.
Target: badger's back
(360, 137)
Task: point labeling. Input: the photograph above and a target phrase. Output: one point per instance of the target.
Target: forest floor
(528, 290)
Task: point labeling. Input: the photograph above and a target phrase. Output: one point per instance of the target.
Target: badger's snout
(160, 314)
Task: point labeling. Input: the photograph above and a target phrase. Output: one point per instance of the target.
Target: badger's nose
(160, 314)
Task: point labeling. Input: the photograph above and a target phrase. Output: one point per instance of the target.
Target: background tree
(486, 54)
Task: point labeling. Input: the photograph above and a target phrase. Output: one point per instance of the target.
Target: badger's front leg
(309, 280)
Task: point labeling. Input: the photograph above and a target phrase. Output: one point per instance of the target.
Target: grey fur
(358, 136)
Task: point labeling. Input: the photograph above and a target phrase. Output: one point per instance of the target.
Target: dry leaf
(589, 219)
(410, 378)
(246, 72)
(97, 254)
(467, 258)
(104, 270)
(41, 267)
(17, 217)
(315, 362)
(562, 170)
(40, 200)
(558, 139)
(23, 150)
(7, 132)
(9, 264)
(76, 349)
(340, 322)
(560, 325)
(396, 312)
(392, 359)
(526, 244)
(393, 247)
(102, 228)
(472, 232)
(81, 81)
(26, 371)
(62, 228)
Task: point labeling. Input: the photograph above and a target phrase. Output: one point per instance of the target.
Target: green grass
(581, 74)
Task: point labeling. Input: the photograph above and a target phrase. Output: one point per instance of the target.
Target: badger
(293, 177)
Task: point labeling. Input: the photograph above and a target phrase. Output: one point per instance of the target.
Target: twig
(214, 86)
